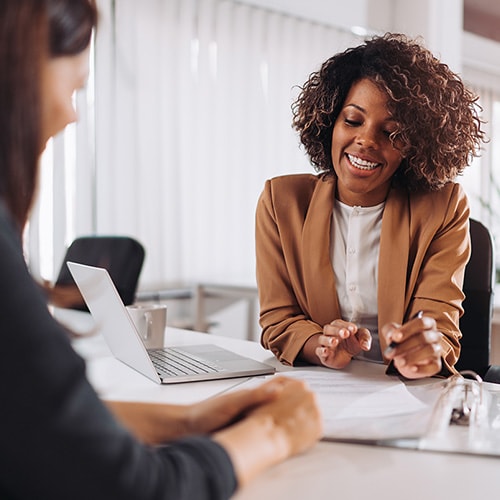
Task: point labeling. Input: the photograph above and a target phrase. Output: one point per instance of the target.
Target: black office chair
(475, 324)
(122, 256)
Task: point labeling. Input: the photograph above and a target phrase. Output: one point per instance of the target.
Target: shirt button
(352, 288)
(352, 250)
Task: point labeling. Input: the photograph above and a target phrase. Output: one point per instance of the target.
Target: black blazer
(57, 439)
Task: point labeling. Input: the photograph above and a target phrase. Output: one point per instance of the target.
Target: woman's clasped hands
(340, 341)
(257, 427)
(273, 422)
(414, 347)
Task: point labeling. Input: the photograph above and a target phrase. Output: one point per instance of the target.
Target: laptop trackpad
(210, 351)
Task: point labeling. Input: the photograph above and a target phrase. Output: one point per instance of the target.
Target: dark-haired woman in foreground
(57, 439)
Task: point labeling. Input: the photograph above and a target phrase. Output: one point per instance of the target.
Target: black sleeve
(57, 439)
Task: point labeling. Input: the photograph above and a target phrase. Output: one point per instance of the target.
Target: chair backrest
(475, 324)
(122, 256)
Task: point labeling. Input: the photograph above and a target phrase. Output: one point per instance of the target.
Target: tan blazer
(424, 247)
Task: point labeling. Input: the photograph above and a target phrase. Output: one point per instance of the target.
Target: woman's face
(62, 76)
(363, 156)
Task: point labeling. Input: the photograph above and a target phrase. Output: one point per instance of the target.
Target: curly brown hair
(437, 115)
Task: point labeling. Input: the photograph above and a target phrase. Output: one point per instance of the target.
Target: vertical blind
(187, 113)
(482, 179)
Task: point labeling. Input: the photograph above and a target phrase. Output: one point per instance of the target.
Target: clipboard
(465, 419)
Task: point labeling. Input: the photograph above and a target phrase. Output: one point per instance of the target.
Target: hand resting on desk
(258, 427)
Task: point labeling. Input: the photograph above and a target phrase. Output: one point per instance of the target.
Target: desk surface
(329, 470)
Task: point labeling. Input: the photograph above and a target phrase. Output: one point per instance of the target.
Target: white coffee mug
(150, 321)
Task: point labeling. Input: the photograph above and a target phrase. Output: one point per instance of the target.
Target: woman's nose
(367, 138)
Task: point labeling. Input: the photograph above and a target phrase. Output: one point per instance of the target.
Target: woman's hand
(295, 414)
(337, 345)
(159, 423)
(416, 350)
(287, 424)
(216, 413)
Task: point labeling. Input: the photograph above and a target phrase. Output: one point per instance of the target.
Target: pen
(393, 344)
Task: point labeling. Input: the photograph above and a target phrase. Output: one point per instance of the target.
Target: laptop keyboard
(173, 362)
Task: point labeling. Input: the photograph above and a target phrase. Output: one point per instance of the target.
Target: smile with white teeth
(362, 164)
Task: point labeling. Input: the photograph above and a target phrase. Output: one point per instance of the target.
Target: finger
(266, 392)
(340, 323)
(341, 329)
(389, 330)
(271, 387)
(333, 358)
(328, 341)
(245, 399)
(415, 343)
(365, 339)
(405, 337)
(323, 353)
(351, 346)
(424, 354)
(420, 371)
(415, 326)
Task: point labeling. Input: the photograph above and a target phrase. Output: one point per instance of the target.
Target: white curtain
(192, 114)
(481, 180)
(186, 113)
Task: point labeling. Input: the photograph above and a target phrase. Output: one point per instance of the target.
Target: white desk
(329, 470)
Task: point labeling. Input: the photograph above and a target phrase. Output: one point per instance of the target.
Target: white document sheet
(365, 406)
(362, 403)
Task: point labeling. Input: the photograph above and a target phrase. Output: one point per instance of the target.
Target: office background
(187, 112)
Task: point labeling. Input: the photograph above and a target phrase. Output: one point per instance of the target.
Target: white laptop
(179, 364)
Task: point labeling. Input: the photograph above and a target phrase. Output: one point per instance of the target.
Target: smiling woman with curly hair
(366, 259)
(436, 115)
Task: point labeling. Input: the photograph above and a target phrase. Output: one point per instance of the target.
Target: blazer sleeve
(441, 252)
(286, 326)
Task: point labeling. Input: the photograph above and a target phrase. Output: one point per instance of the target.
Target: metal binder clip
(460, 420)
(470, 399)
(461, 415)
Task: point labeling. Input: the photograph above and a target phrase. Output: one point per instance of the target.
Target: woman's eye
(351, 123)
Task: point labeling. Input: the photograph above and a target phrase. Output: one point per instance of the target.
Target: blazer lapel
(393, 260)
(319, 280)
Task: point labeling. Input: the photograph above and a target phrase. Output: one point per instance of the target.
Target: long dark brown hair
(31, 31)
